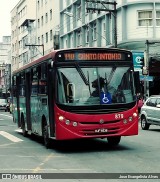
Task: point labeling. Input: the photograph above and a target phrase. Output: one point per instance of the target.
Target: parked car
(3, 104)
(150, 112)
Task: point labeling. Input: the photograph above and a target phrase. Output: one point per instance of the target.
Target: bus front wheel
(113, 141)
(45, 136)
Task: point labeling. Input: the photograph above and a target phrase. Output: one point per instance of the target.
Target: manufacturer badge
(101, 121)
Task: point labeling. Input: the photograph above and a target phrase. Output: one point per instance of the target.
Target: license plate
(102, 130)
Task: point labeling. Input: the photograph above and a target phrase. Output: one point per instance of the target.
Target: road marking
(10, 137)
(6, 115)
(1, 119)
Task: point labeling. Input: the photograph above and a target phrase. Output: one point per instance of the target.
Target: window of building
(42, 20)
(94, 31)
(79, 12)
(157, 18)
(38, 5)
(46, 17)
(39, 41)
(46, 37)
(104, 29)
(87, 34)
(51, 35)
(79, 34)
(51, 14)
(145, 18)
(38, 23)
(42, 40)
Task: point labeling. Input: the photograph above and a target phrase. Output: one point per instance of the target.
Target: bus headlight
(61, 118)
(135, 114)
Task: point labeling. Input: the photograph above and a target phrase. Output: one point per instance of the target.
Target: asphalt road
(135, 155)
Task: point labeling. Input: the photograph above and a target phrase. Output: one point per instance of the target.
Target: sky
(5, 17)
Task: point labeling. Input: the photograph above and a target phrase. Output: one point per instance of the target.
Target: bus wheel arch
(45, 133)
(23, 125)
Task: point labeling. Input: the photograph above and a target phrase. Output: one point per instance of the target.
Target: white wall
(133, 30)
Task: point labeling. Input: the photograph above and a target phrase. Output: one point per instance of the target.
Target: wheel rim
(143, 123)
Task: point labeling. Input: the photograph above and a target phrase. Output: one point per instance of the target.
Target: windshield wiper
(82, 75)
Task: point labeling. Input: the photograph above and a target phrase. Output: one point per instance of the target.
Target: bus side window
(42, 87)
(14, 86)
(34, 89)
(22, 84)
(42, 72)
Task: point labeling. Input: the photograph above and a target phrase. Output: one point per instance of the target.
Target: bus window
(14, 86)
(42, 87)
(42, 79)
(22, 84)
(34, 89)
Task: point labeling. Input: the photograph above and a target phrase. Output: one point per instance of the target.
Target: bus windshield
(95, 85)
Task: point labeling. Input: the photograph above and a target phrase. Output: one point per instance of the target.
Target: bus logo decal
(101, 121)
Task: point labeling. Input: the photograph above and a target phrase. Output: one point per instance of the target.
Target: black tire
(113, 141)
(46, 140)
(144, 124)
(23, 126)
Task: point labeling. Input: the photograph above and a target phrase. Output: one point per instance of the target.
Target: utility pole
(97, 5)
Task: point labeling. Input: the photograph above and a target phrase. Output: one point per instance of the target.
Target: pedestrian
(140, 104)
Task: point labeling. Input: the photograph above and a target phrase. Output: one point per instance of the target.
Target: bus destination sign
(95, 56)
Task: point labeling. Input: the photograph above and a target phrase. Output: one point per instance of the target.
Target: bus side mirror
(137, 82)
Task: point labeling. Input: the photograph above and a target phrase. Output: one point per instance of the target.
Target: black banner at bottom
(41, 176)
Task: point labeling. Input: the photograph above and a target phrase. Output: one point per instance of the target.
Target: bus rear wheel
(45, 136)
(113, 141)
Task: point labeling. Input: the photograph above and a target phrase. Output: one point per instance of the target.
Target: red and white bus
(77, 93)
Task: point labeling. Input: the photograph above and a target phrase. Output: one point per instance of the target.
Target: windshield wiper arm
(82, 75)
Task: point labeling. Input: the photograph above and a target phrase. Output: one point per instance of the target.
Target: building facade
(47, 23)
(23, 17)
(137, 21)
(5, 65)
(34, 24)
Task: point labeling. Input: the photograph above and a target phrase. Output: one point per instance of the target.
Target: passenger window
(34, 82)
(148, 103)
(22, 85)
(158, 101)
(42, 79)
(153, 102)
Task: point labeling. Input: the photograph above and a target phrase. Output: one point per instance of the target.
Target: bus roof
(52, 54)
